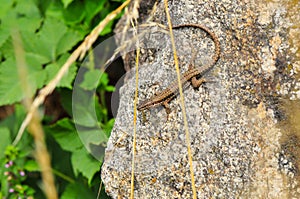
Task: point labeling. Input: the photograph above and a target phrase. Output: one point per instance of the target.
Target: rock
(236, 123)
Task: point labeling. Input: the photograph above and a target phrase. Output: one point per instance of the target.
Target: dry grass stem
(135, 105)
(35, 128)
(187, 134)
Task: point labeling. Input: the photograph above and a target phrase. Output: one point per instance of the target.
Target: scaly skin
(163, 97)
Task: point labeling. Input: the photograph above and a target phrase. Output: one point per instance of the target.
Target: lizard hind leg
(167, 106)
(196, 83)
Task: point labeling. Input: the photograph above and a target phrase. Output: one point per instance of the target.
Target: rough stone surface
(235, 121)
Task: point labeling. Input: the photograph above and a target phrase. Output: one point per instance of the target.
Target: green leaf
(110, 88)
(66, 98)
(92, 8)
(93, 136)
(108, 127)
(5, 140)
(107, 29)
(4, 30)
(54, 9)
(13, 122)
(66, 2)
(22, 14)
(49, 36)
(5, 8)
(31, 165)
(4, 35)
(104, 79)
(103, 83)
(68, 41)
(94, 141)
(65, 134)
(91, 79)
(54, 39)
(77, 191)
(84, 163)
(11, 87)
(74, 12)
(7, 48)
(84, 112)
(53, 68)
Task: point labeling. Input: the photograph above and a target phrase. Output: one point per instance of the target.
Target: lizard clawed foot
(196, 83)
(167, 107)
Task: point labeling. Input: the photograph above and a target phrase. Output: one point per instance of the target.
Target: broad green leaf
(34, 47)
(54, 9)
(104, 79)
(18, 117)
(94, 136)
(39, 59)
(66, 2)
(5, 140)
(108, 127)
(66, 98)
(83, 107)
(77, 191)
(74, 14)
(94, 141)
(65, 134)
(68, 41)
(31, 165)
(103, 83)
(85, 116)
(4, 35)
(84, 163)
(91, 79)
(52, 70)
(5, 7)
(11, 87)
(110, 88)
(7, 48)
(13, 122)
(49, 37)
(22, 14)
(4, 30)
(54, 39)
(92, 8)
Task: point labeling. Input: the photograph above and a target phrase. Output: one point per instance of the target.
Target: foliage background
(49, 31)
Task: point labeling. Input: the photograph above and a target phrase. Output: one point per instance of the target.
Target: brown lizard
(165, 96)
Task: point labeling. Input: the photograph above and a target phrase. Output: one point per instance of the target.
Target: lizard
(165, 96)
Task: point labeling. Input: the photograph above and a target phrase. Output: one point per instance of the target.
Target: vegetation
(45, 32)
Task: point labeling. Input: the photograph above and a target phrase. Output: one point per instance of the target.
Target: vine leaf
(77, 190)
(66, 2)
(65, 134)
(52, 40)
(11, 89)
(5, 140)
(53, 68)
(45, 53)
(91, 79)
(84, 163)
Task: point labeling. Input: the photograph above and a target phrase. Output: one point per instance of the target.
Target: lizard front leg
(196, 83)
